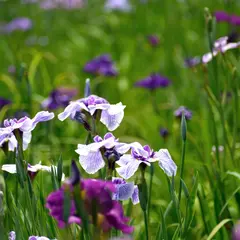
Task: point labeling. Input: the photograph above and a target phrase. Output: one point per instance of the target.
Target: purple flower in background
(25, 125)
(153, 40)
(21, 24)
(109, 212)
(235, 20)
(11, 69)
(153, 82)
(91, 158)
(192, 62)
(58, 98)
(12, 235)
(164, 132)
(31, 169)
(221, 16)
(101, 65)
(122, 5)
(183, 110)
(129, 163)
(65, 4)
(125, 190)
(111, 114)
(4, 102)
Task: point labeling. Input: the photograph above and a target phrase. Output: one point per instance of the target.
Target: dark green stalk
(150, 190)
(184, 138)
(146, 224)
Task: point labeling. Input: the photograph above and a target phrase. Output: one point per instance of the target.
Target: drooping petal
(92, 162)
(71, 110)
(166, 162)
(135, 195)
(124, 160)
(11, 168)
(208, 56)
(112, 117)
(122, 147)
(12, 143)
(27, 136)
(128, 170)
(42, 116)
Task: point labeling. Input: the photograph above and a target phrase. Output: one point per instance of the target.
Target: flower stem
(146, 223)
(150, 190)
(181, 170)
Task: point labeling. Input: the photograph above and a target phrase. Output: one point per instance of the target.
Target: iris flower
(125, 190)
(24, 126)
(109, 212)
(101, 65)
(91, 158)
(154, 81)
(183, 110)
(21, 24)
(111, 114)
(31, 169)
(122, 5)
(129, 163)
(59, 97)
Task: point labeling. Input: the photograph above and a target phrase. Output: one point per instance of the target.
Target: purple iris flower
(111, 114)
(125, 190)
(25, 125)
(153, 82)
(222, 16)
(192, 62)
(58, 98)
(129, 163)
(236, 231)
(122, 5)
(109, 212)
(38, 238)
(153, 40)
(235, 20)
(183, 110)
(21, 24)
(4, 102)
(65, 4)
(164, 132)
(101, 65)
(91, 158)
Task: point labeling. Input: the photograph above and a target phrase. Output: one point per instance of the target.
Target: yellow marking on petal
(100, 219)
(83, 194)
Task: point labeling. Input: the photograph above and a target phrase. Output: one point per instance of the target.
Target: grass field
(50, 49)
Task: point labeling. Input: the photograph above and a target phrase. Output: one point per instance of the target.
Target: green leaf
(60, 169)
(235, 174)
(190, 205)
(185, 189)
(216, 228)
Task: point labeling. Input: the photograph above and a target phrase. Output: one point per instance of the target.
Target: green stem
(181, 170)
(146, 224)
(150, 190)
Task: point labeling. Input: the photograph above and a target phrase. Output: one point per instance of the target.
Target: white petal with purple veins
(71, 110)
(166, 162)
(126, 171)
(91, 161)
(112, 117)
(124, 191)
